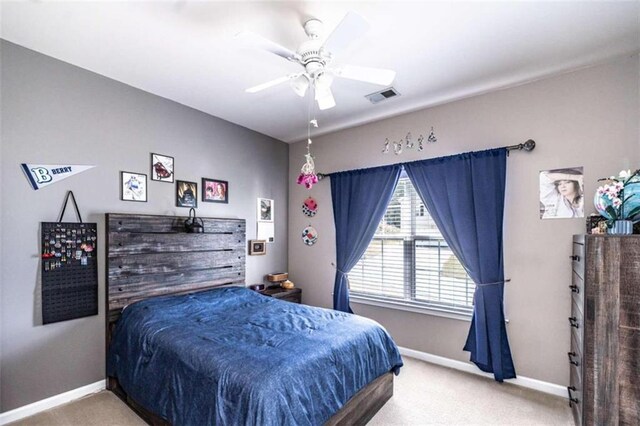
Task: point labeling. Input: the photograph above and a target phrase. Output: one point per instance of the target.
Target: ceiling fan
(315, 57)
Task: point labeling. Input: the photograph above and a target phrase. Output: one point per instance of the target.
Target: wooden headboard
(150, 255)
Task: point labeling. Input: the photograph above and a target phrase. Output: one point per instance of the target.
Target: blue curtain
(465, 196)
(360, 199)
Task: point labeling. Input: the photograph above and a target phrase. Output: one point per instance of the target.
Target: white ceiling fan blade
(351, 27)
(378, 76)
(254, 40)
(271, 83)
(324, 97)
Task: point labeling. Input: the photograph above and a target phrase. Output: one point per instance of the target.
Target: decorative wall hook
(408, 143)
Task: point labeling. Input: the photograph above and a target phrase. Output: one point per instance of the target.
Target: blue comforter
(231, 356)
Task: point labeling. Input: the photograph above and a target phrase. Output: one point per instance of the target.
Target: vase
(621, 227)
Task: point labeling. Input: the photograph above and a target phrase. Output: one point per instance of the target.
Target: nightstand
(293, 295)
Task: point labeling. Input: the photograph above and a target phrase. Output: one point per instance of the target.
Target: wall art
(162, 168)
(265, 210)
(310, 207)
(215, 191)
(257, 247)
(309, 235)
(186, 194)
(133, 187)
(266, 231)
(41, 175)
(561, 193)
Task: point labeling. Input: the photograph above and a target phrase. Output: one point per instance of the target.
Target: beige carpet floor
(425, 394)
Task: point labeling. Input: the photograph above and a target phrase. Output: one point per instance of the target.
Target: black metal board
(69, 269)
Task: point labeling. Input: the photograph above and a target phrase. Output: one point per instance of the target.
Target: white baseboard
(469, 367)
(51, 402)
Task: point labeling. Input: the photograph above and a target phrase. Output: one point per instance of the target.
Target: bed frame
(149, 256)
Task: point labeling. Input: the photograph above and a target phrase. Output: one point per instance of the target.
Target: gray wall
(587, 118)
(55, 113)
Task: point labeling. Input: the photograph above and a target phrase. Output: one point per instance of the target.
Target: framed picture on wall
(561, 193)
(186, 194)
(133, 187)
(215, 191)
(265, 210)
(161, 168)
(257, 247)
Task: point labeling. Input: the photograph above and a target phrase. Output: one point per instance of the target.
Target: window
(408, 261)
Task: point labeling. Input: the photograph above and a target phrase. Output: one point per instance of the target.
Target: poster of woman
(215, 191)
(561, 193)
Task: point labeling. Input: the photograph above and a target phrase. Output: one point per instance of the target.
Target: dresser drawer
(577, 290)
(574, 357)
(574, 392)
(576, 323)
(295, 298)
(577, 259)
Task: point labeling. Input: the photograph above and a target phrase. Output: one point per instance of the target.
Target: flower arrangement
(619, 198)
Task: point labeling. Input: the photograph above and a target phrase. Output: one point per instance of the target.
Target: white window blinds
(409, 262)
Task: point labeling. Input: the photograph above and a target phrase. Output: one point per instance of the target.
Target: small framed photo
(265, 210)
(161, 168)
(215, 191)
(186, 194)
(257, 247)
(133, 187)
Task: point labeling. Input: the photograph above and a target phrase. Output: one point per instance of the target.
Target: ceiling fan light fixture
(323, 82)
(300, 85)
(325, 101)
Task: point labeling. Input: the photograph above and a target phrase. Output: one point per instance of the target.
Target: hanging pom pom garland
(308, 176)
(310, 207)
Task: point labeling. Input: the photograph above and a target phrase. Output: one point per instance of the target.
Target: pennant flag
(41, 175)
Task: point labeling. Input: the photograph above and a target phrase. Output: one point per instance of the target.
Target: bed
(192, 347)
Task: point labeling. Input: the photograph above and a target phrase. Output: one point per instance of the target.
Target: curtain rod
(528, 146)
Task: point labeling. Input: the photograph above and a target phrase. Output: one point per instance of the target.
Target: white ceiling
(185, 50)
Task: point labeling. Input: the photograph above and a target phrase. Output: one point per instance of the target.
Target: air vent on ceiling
(387, 93)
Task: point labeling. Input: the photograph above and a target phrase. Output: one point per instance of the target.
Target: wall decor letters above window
(408, 143)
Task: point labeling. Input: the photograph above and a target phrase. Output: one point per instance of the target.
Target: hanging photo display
(561, 193)
(309, 235)
(310, 207)
(69, 268)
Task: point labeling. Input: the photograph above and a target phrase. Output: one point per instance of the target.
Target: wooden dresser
(604, 359)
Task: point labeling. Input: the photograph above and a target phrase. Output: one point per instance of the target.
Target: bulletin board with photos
(69, 269)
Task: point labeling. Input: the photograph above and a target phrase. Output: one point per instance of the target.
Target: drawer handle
(574, 288)
(571, 361)
(575, 257)
(572, 400)
(573, 321)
